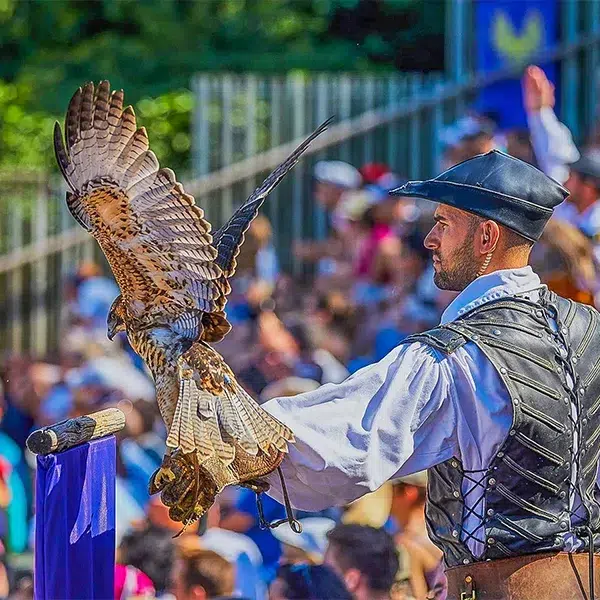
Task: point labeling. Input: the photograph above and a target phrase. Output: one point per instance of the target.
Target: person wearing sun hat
(498, 403)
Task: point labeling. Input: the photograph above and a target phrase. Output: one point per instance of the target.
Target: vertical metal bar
(393, 102)
(200, 125)
(455, 39)
(569, 69)
(436, 129)
(40, 272)
(322, 115)
(227, 145)
(251, 123)
(15, 281)
(369, 87)
(414, 130)
(345, 112)
(275, 127)
(593, 61)
(299, 90)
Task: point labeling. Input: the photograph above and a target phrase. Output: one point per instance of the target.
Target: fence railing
(40, 244)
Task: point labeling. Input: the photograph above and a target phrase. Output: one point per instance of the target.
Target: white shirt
(412, 410)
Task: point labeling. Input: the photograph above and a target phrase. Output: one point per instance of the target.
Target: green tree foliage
(152, 47)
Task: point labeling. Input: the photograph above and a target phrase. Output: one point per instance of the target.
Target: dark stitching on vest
(592, 439)
(531, 476)
(538, 449)
(593, 463)
(536, 385)
(514, 326)
(542, 418)
(594, 371)
(534, 510)
(503, 549)
(593, 409)
(587, 337)
(589, 490)
(520, 352)
(526, 310)
(518, 530)
(570, 313)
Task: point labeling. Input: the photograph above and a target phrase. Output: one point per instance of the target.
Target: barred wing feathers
(155, 238)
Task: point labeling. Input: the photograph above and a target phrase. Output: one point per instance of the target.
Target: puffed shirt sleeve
(392, 418)
(552, 143)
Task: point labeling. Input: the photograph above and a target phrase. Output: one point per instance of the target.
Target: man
(551, 140)
(365, 558)
(333, 178)
(500, 402)
(584, 186)
(420, 559)
(202, 575)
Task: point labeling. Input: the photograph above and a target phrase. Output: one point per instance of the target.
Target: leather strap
(530, 577)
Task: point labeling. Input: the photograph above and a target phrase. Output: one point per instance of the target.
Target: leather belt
(544, 576)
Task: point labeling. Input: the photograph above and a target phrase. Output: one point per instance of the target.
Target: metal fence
(395, 120)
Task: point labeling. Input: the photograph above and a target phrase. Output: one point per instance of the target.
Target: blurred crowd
(370, 286)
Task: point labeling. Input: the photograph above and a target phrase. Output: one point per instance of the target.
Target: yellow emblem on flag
(509, 44)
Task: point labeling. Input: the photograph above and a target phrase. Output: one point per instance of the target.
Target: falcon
(173, 276)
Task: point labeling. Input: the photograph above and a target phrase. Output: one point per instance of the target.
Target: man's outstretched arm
(395, 417)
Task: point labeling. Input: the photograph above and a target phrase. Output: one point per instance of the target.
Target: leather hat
(495, 186)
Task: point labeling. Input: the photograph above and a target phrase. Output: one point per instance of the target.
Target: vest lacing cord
(567, 366)
(475, 510)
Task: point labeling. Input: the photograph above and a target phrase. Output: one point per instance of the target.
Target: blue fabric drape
(75, 523)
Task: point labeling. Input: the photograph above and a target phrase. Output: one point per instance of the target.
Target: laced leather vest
(525, 508)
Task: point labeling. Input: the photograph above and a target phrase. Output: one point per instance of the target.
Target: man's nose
(430, 242)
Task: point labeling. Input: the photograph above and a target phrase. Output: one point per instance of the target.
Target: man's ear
(352, 579)
(489, 235)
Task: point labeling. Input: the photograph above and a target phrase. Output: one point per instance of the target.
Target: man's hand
(538, 91)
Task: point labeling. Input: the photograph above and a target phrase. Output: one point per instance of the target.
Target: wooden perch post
(72, 432)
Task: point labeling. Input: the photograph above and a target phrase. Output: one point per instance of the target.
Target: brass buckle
(470, 594)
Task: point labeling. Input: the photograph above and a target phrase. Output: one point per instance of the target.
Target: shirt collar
(499, 284)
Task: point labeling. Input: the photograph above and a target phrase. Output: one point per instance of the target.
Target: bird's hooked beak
(114, 325)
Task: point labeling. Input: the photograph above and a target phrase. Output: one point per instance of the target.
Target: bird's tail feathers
(220, 425)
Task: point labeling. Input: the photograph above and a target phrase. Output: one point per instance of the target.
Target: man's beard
(457, 271)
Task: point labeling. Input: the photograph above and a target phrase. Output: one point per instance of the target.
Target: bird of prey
(173, 277)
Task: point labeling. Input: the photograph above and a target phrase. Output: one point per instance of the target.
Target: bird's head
(115, 321)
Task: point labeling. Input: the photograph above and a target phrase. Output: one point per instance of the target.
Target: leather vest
(525, 506)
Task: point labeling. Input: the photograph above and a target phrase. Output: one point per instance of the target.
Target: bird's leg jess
(262, 486)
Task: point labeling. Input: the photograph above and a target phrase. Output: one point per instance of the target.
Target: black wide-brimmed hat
(495, 186)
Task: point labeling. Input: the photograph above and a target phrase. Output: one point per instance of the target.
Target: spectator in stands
(332, 180)
(420, 559)
(584, 185)
(202, 575)
(149, 549)
(365, 558)
(552, 142)
(308, 582)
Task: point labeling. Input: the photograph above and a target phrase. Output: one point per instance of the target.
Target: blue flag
(510, 32)
(75, 523)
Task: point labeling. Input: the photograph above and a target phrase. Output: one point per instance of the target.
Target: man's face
(327, 195)
(574, 184)
(451, 241)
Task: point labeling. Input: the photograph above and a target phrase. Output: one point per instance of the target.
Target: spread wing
(230, 237)
(155, 238)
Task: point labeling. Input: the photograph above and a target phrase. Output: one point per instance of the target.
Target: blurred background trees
(152, 49)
